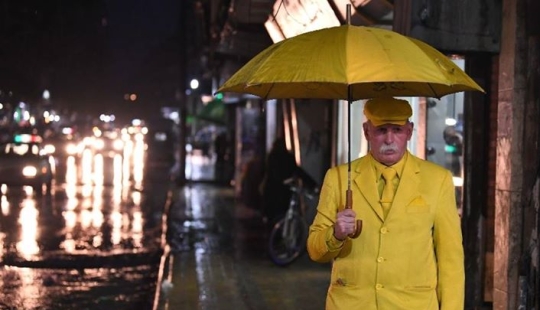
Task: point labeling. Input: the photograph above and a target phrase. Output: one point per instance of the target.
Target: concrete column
(510, 167)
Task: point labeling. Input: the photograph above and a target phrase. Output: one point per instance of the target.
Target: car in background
(63, 144)
(136, 131)
(23, 161)
(108, 143)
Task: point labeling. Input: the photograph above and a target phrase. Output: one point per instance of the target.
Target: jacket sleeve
(449, 249)
(322, 246)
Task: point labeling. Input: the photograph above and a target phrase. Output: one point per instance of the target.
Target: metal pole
(348, 193)
(349, 99)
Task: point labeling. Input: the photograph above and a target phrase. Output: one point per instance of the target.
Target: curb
(163, 282)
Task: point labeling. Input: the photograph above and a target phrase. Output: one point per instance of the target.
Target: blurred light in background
(46, 94)
(194, 84)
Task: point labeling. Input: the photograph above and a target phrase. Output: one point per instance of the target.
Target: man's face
(388, 142)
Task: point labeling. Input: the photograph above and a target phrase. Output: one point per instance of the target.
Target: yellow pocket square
(418, 205)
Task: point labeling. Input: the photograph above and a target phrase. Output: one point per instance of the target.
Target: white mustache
(388, 147)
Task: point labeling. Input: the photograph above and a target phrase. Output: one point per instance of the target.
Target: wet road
(96, 243)
(93, 243)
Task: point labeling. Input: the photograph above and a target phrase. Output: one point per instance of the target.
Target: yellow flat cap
(389, 110)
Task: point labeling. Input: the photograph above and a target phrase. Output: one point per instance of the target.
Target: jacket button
(380, 259)
(379, 286)
(384, 230)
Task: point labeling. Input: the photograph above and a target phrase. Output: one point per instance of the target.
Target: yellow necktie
(388, 192)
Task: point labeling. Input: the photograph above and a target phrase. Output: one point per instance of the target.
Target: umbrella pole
(348, 193)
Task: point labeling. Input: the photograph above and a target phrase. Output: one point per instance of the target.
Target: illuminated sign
(291, 18)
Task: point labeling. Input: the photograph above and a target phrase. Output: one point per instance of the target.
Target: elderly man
(409, 254)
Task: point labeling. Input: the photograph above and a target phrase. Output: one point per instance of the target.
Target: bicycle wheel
(287, 240)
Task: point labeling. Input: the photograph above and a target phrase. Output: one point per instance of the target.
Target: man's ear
(365, 127)
(411, 129)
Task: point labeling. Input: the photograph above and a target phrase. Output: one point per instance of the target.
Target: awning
(213, 111)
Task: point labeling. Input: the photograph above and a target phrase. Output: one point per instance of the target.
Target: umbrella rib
(433, 91)
(269, 90)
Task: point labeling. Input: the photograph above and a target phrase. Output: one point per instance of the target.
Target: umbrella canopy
(369, 62)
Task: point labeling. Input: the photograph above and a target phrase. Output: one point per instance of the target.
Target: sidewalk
(216, 258)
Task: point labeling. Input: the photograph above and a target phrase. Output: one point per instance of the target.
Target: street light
(194, 84)
(192, 97)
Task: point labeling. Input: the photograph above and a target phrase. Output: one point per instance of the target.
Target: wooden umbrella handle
(348, 205)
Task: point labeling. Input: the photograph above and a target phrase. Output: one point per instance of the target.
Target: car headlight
(87, 141)
(99, 144)
(71, 149)
(118, 144)
(29, 171)
(49, 149)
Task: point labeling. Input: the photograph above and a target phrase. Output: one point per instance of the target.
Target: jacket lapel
(408, 185)
(367, 184)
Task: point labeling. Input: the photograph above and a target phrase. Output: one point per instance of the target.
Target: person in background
(252, 174)
(222, 152)
(280, 166)
(409, 254)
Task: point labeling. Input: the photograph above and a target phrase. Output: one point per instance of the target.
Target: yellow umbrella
(350, 63)
(369, 62)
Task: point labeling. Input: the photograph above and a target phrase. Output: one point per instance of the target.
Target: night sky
(90, 53)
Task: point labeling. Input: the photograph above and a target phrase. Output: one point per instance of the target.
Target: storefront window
(444, 134)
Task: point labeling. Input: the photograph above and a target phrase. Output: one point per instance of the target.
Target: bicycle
(288, 237)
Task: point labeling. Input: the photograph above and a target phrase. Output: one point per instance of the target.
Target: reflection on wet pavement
(219, 259)
(91, 289)
(97, 207)
(93, 243)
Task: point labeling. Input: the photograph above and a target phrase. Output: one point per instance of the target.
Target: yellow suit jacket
(412, 260)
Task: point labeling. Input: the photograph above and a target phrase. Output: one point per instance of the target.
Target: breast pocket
(417, 208)
(418, 205)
